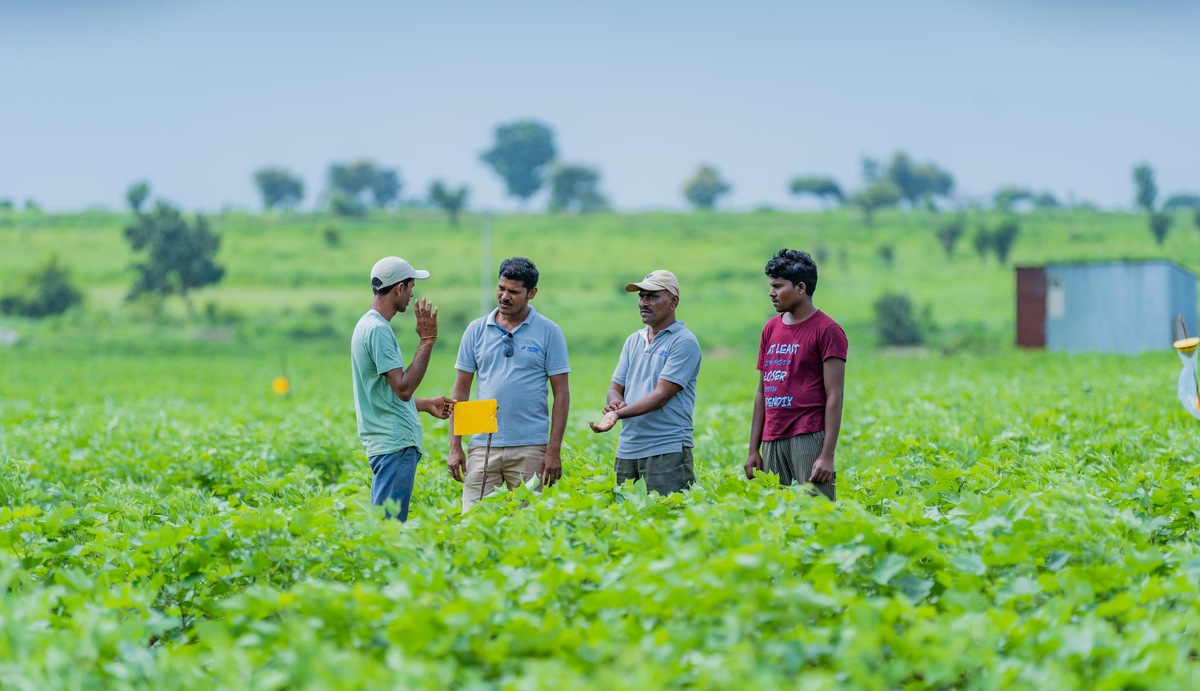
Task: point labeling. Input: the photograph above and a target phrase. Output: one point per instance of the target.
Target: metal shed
(1109, 307)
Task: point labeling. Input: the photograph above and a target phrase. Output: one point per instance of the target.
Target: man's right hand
(754, 462)
(456, 462)
(426, 318)
(615, 405)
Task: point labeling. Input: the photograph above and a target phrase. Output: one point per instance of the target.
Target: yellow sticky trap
(280, 386)
(1187, 345)
(475, 417)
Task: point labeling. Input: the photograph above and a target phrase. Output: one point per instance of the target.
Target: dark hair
(794, 266)
(520, 269)
(382, 290)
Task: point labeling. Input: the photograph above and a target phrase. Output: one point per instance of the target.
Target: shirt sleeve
(834, 343)
(763, 340)
(385, 350)
(683, 362)
(465, 360)
(556, 353)
(622, 370)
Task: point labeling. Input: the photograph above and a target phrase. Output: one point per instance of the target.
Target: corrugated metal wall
(1117, 307)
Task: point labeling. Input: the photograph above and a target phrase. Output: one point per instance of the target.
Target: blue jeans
(394, 475)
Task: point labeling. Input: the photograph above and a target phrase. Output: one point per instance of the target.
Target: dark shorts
(792, 460)
(664, 473)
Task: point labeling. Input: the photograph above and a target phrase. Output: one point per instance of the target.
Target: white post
(487, 281)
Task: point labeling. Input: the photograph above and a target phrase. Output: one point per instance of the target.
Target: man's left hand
(551, 470)
(822, 471)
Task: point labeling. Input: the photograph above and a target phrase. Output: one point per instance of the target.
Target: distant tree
(345, 206)
(520, 153)
(919, 182)
(6, 205)
(880, 195)
(1181, 202)
(949, 234)
(1008, 197)
(136, 195)
(1147, 190)
(449, 200)
(1045, 201)
(1160, 223)
(887, 254)
(179, 257)
(982, 242)
(871, 170)
(46, 291)
(278, 188)
(364, 182)
(385, 187)
(575, 188)
(704, 187)
(31, 206)
(1196, 218)
(818, 186)
(896, 321)
(1003, 238)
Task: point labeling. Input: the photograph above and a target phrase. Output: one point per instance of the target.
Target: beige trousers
(508, 465)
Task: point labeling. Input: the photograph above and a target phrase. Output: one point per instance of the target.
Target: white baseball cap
(391, 270)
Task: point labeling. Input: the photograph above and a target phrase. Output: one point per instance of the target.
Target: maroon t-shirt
(792, 358)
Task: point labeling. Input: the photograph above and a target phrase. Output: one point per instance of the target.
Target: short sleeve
(465, 360)
(683, 362)
(384, 350)
(833, 342)
(622, 372)
(556, 353)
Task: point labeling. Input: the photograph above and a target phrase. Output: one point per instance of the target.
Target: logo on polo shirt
(531, 349)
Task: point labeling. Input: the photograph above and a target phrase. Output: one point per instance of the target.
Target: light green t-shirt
(386, 424)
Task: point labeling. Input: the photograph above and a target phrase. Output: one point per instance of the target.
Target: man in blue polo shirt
(514, 351)
(654, 391)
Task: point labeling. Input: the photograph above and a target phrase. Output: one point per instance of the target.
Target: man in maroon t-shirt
(802, 360)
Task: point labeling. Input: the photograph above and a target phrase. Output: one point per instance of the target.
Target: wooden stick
(1183, 326)
(486, 452)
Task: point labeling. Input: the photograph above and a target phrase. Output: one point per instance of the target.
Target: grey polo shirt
(518, 383)
(674, 355)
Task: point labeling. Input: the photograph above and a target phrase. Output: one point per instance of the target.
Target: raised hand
(426, 314)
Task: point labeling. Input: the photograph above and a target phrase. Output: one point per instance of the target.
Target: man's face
(785, 295)
(655, 306)
(403, 294)
(512, 297)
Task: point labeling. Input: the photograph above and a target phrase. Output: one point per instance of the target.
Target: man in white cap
(654, 391)
(384, 387)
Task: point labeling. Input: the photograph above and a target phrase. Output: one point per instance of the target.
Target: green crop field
(1006, 519)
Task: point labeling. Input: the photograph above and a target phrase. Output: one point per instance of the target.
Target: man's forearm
(415, 372)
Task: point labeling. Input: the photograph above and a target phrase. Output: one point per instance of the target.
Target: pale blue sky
(195, 96)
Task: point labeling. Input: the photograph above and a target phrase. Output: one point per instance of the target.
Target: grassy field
(1007, 519)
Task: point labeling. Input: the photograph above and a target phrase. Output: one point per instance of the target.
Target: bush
(896, 321)
(44, 292)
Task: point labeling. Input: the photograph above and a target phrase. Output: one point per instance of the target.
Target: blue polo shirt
(674, 355)
(518, 383)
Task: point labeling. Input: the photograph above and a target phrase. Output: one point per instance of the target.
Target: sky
(1064, 96)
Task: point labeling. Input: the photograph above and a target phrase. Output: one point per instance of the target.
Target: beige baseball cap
(391, 270)
(660, 279)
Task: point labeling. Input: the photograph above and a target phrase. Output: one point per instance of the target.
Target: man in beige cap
(384, 387)
(654, 391)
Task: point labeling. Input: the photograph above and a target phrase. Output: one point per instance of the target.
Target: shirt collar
(491, 319)
(673, 327)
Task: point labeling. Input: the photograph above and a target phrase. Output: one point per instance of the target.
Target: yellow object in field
(280, 386)
(475, 417)
(1187, 345)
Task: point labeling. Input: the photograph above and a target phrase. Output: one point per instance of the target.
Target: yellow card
(475, 417)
